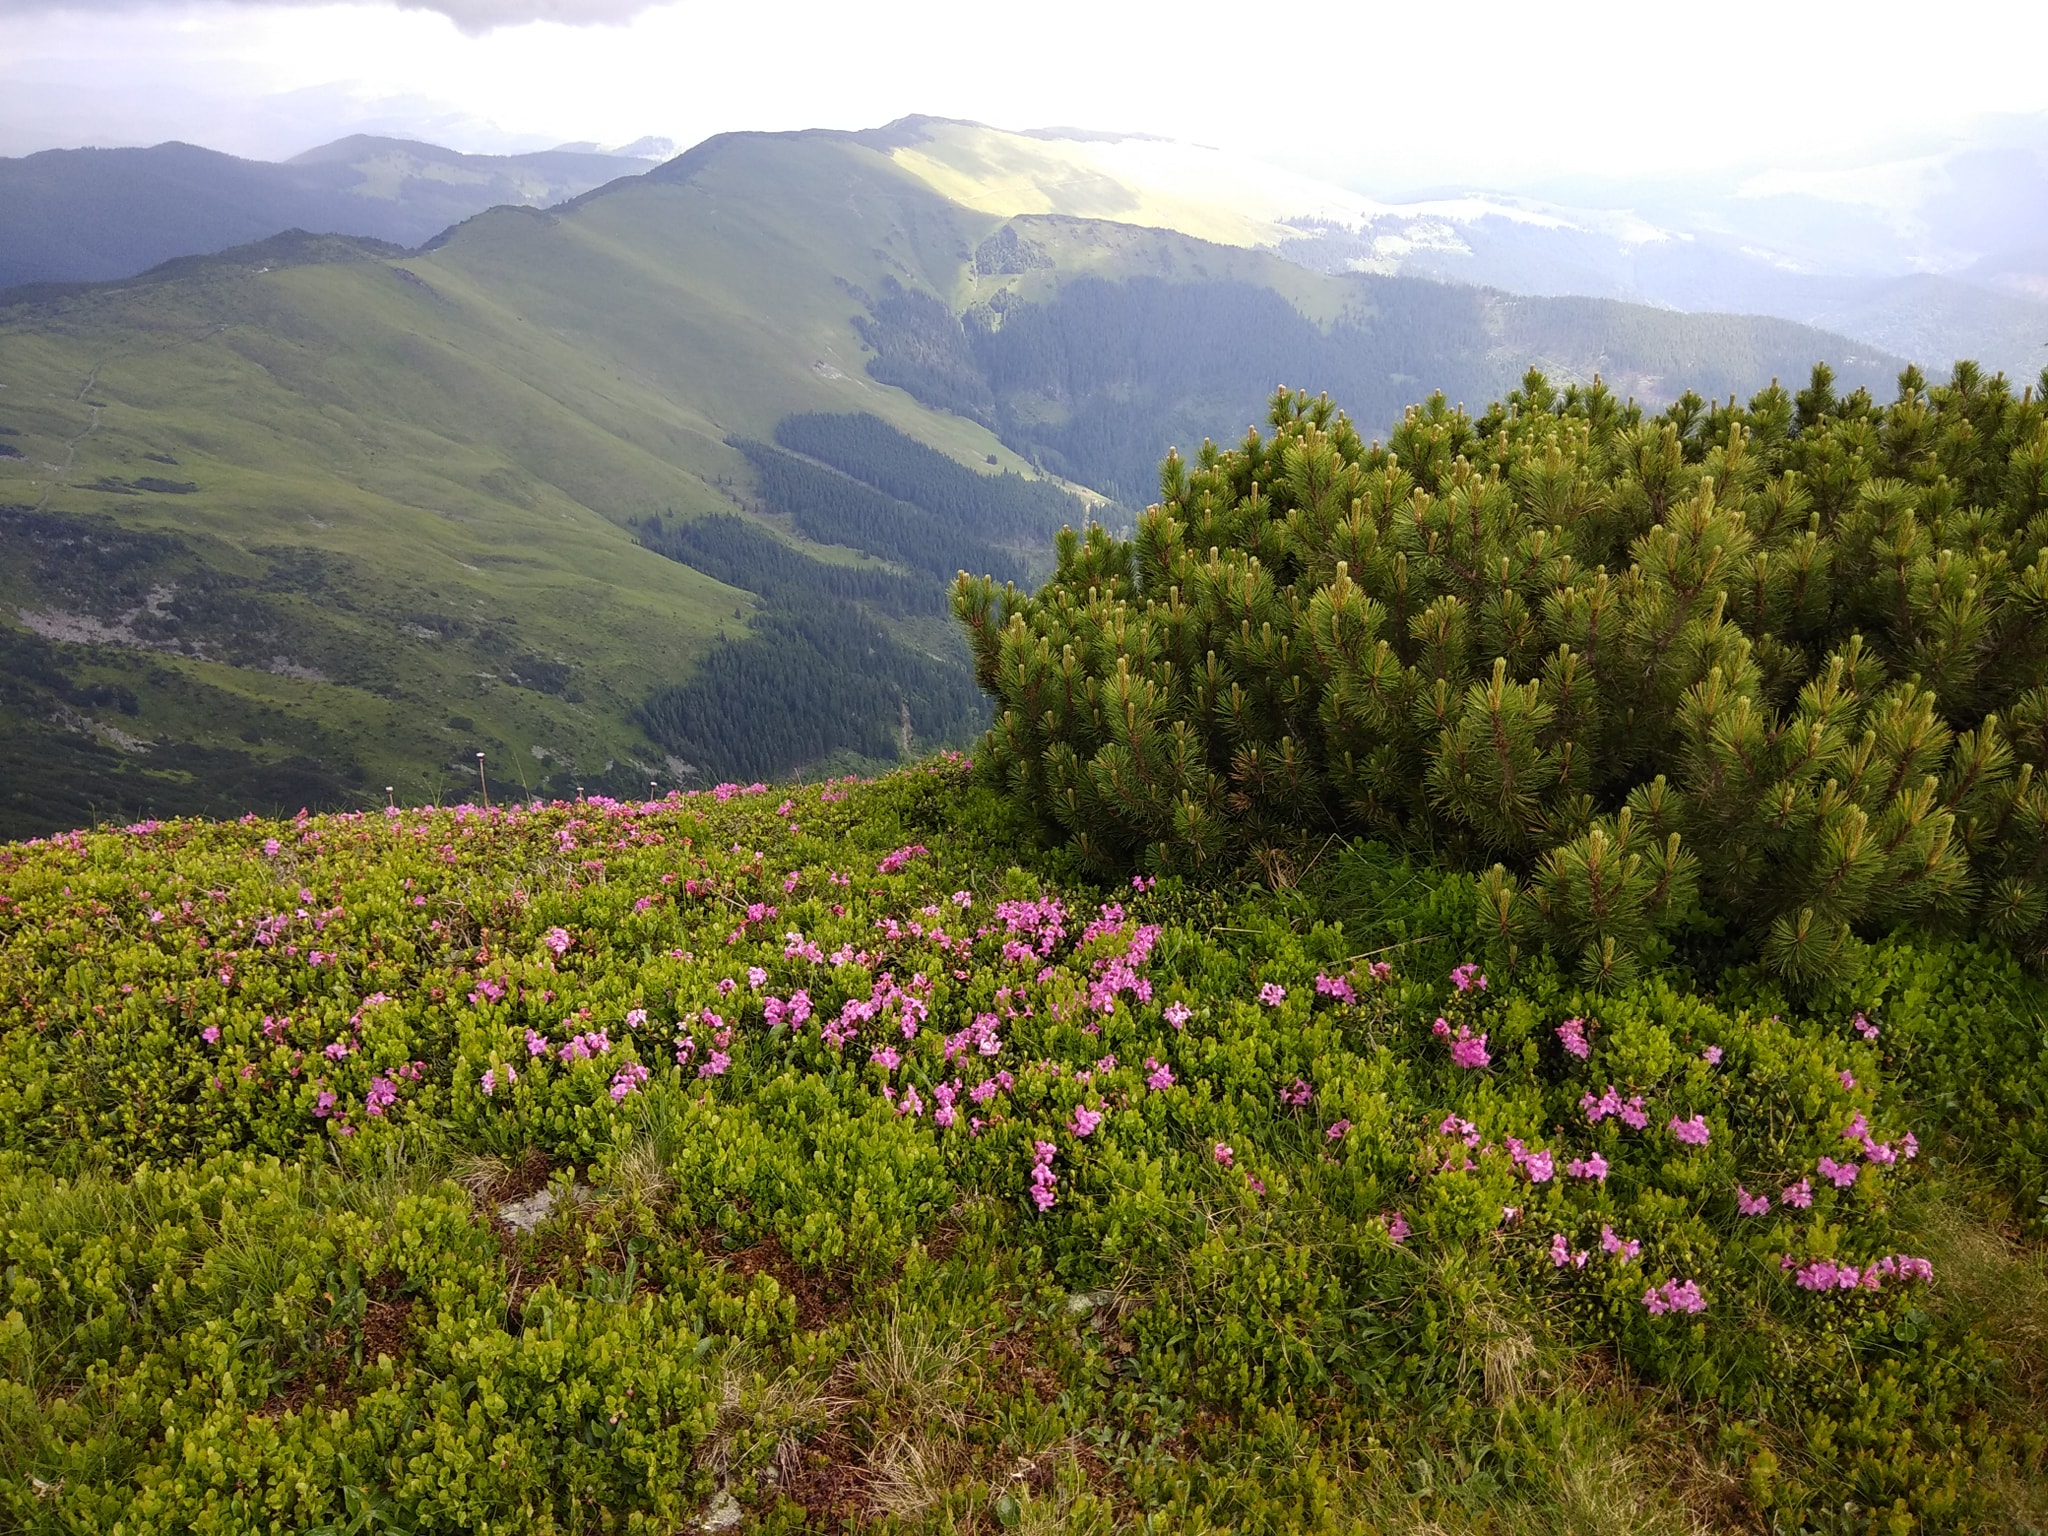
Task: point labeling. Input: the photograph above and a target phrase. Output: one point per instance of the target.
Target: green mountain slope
(290, 524)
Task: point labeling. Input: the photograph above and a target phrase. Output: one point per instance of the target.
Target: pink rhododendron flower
(1224, 1155)
(717, 1066)
(1799, 1196)
(1562, 1256)
(1160, 1078)
(1335, 986)
(627, 1080)
(1751, 1205)
(558, 940)
(1298, 1095)
(1466, 978)
(1694, 1132)
(1864, 1027)
(210, 1034)
(1044, 1182)
(1468, 1050)
(1084, 1121)
(1675, 1296)
(1178, 1014)
(1272, 994)
(1397, 1228)
(1841, 1174)
(1622, 1251)
(1337, 1130)
(1594, 1167)
(1572, 1032)
(1711, 1055)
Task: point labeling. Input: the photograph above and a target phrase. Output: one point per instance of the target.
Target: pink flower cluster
(1841, 1175)
(1620, 1250)
(1272, 994)
(488, 1083)
(1298, 1095)
(1864, 1027)
(1572, 1032)
(1338, 987)
(627, 1080)
(1693, 1131)
(1160, 1076)
(1117, 974)
(582, 1047)
(1466, 978)
(1826, 1275)
(795, 1011)
(1539, 1165)
(1751, 1205)
(1044, 1182)
(1594, 1167)
(1467, 1049)
(558, 940)
(1629, 1111)
(882, 996)
(902, 856)
(981, 1035)
(1084, 1121)
(1675, 1296)
(1882, 1152)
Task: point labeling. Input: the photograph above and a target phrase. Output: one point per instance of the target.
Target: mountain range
(663, 483)
(88, 215)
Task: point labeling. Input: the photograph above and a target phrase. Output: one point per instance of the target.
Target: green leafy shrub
(1778, 665)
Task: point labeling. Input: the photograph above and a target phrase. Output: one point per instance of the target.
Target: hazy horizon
(1392, 103)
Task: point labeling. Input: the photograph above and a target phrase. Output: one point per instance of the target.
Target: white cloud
(472, 16)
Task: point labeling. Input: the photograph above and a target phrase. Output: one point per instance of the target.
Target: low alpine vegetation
(849, 1156)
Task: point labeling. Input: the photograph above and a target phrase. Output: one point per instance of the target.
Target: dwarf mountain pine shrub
(1779, 666)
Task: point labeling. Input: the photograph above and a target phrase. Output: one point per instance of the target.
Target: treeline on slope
(820, 673)
(834, 508)
(1002, 508)
(1772, 676)
(805, 685)
(741, 553)
(1091, 383)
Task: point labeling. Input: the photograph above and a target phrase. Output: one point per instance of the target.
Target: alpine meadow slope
(292, 523)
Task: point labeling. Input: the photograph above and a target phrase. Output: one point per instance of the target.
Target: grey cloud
(472, 16)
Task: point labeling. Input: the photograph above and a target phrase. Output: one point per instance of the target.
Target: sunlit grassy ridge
(900, 1177)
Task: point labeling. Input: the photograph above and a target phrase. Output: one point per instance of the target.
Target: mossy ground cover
(899, 1177)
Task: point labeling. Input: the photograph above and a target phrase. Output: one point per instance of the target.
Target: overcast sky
(1383, 96)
